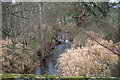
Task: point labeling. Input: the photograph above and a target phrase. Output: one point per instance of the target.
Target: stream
(49, 65)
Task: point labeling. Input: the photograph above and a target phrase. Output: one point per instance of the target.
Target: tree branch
(116, 52)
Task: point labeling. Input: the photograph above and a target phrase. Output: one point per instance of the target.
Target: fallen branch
(50, 77)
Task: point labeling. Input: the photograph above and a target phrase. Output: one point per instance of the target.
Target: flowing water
(49, 65)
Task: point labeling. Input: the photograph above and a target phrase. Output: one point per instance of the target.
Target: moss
(49, 77)
(35, 42)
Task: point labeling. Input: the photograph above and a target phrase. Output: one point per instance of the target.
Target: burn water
(49, 65)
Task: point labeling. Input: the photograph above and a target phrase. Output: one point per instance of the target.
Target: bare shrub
(81, 38)
(89, 60)
(20, 61)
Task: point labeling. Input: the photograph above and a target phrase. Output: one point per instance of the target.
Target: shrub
(89, 60)
(16, 60)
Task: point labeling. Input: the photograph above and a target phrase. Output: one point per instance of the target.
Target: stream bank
(49, 64)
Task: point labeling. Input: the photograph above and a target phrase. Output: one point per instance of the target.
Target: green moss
(49, 77)
(35, 42)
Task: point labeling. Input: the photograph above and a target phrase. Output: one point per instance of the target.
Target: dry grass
(17, 60)
(89, 60)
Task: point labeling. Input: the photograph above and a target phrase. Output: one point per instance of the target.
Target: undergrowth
(91, 59)
(17, 59)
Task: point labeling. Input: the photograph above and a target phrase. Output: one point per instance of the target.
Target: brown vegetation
(17, 60)
(89, 60)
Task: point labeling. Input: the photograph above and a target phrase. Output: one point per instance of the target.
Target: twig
(28, 9)
(18, 16)
(116, 53)
(15, 48)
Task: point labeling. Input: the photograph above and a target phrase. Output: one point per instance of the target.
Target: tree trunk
(41, 27)
(118, 41)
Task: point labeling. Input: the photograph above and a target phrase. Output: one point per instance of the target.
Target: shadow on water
(49, 65)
